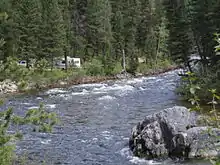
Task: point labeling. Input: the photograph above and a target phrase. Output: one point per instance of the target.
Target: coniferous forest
(104, 29)
(101, 29)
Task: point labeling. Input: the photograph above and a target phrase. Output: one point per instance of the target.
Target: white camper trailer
(71, 62)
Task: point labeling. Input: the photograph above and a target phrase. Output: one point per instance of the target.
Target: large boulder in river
(172, 132)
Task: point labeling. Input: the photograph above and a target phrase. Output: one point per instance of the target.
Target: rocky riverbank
(174, 133)
(98, 79)
(9, 87)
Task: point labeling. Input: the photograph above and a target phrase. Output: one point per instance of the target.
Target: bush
(144, 68)
(117, 68)
(163, 63)
(11, 70)
(55, 75)
(39, 119)
(41, 65)
(94, 68)
(132, 66)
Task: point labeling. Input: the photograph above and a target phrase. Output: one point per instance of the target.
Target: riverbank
(99, 79)
(70, 81)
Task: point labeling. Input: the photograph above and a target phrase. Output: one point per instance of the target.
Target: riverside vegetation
(198, 90)
(39, 119)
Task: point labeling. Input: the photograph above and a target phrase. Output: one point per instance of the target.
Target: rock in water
(174, 132)
(198, 142)
(152, 138)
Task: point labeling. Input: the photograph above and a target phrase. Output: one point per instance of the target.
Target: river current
(96, 120)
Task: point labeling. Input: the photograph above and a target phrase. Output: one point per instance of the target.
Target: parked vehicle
(24, 63)
(71, 62)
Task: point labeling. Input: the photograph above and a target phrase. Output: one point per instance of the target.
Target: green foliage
(208, 77)
(11, 70)
(117, 68)
(3, 16)
(148, 68)
(179, 30)
(39, 119)
(144, 68)
(48, 29)
(212, 115)
(41, 65)
(109, 65)
(217, 47)
(94, 68)
(215, 162)
(2, 42)
(28, 22)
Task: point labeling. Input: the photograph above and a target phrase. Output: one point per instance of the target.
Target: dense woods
(194, 30)
(107, 28)
(87, 29)
(102, 32)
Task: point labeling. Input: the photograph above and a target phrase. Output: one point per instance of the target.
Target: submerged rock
(173, 133)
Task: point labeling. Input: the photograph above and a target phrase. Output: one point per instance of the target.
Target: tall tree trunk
(66, 62)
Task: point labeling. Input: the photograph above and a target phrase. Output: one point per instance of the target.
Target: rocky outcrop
(173, 133)
(8, 86)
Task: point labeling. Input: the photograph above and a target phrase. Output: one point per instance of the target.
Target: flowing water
(96, 120)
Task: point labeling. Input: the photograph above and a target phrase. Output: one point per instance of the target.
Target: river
(96, 120)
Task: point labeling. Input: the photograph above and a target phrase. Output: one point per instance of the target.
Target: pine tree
(143, 28)
(8, 29)
(179, 31)
(203, 26)
(117, 22)
(65, 6)
(131, 17)
(53, 31)
(28, 19)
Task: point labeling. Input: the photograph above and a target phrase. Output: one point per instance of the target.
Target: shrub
(163, 63)
(117, 68)
(144, 68)
(41, 65)
(39, 119)
(211, 118)
(94, 68)
(55, 75)
(11, 70)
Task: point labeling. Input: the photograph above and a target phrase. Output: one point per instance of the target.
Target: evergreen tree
(131, 18)
(28, 19)
(179, 31)
(117, 22)
(53, 32)
(8, 29)
(203, 26)
(65, 8)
